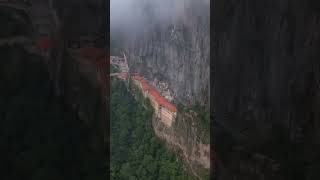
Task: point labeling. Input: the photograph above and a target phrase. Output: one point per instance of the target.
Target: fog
(137, 16)
(131, 18)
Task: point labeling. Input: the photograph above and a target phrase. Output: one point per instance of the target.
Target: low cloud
(133, 17)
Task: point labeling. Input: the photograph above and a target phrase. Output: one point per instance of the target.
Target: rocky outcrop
(176, 52)
(183, 135)
(266, 85)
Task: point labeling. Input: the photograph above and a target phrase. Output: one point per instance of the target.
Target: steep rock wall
(177, 52)
(184, 136)
(174, 49)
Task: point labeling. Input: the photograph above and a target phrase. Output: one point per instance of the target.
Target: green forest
(136, 152)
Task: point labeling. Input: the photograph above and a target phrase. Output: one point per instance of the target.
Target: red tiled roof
(167, 104)
(156, 95)
(145, 85)
(161, 100)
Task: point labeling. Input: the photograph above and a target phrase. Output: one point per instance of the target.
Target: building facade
(163, 109)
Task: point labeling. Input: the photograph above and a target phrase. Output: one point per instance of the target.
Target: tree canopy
(136, 152)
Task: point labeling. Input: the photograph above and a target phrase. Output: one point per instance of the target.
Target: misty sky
(135, 16)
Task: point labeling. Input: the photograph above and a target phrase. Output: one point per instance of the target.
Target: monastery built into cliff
(163, 109)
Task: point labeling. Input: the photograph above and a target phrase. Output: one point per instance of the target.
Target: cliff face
(183, 136)
(176, 52)
(266, 85)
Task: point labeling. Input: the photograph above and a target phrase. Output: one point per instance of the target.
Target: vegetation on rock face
(202, 121)
(204, 174)
(136, 152)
